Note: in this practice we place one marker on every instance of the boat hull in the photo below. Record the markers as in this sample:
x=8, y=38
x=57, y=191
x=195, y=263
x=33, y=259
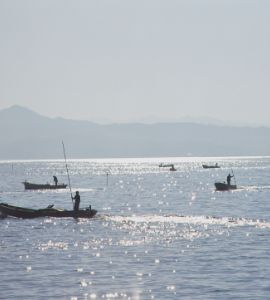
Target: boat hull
x=210, y=167
x=47, y=186
x=222, y=186
x=172, y=168
x=28, y=213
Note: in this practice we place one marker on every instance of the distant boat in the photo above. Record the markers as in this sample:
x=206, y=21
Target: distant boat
x=211, y=166
x=47, y=186
x=29, y=213
x=162, y=165
x=222, y=186
x=172, y=168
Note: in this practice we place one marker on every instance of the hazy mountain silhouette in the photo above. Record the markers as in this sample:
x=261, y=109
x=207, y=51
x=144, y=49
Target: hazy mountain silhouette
x=28, y=135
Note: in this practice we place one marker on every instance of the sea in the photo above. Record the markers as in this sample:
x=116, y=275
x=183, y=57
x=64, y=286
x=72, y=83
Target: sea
x=157, y=234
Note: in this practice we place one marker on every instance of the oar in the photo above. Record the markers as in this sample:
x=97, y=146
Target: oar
x=67, y=171
x=234, y=177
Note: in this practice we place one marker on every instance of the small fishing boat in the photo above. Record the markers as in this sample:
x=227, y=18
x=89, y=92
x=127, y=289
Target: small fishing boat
x=222, y=186
x=211, y=166
x=172, y=168
x=29, y=213
x=47, y=186
x=162, y=165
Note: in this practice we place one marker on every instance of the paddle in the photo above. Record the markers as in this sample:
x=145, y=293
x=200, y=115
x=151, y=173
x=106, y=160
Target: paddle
x=67, y=171
x=234, y=177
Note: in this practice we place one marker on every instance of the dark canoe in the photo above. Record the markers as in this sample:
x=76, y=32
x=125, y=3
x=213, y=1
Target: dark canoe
x=47, y=186
x=29, y=213
x=222, y=186
x=210, y=166
x=172, y=168
x=162, y=165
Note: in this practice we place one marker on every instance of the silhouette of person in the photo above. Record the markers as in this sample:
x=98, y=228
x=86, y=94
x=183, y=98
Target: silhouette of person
x=229, y=179
x=77, y=199
x=55, y=180
x=172, y=168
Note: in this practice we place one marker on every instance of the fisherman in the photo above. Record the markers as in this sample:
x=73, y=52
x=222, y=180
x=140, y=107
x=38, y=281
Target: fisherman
x=172, y=168
x=55, y=180
x=229, y=179
x=77, y=199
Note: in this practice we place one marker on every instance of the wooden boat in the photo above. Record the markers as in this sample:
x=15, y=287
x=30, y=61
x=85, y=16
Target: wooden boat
x=47, y=186
x=211, y=166
x=162, y=165
x=222, y=186
x=172, y=168
x=29, y=213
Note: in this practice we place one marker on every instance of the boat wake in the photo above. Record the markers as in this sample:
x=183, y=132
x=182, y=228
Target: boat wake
x=167, y=229
x=257, y=188
x=135, y=230
x=88, y=189
x=189, y=220
x=52, y=191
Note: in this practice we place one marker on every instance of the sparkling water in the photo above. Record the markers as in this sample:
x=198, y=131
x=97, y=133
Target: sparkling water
x=157, y=234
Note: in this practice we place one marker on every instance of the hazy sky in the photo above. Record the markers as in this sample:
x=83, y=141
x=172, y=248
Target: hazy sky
x=137, y=60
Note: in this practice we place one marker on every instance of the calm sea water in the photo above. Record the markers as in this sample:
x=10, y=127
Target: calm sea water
x=157, y=235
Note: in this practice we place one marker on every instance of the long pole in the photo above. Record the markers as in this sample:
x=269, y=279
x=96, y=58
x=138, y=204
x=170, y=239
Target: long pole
x=234, y=177
x=67, y=171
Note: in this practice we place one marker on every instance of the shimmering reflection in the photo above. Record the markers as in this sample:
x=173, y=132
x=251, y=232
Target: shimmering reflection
x=166, y=229
x=157, y=234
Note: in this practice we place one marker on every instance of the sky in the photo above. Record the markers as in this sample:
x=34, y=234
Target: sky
x=143, y=60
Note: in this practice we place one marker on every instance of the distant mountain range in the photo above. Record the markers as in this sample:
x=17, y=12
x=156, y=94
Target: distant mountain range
x=28, y=135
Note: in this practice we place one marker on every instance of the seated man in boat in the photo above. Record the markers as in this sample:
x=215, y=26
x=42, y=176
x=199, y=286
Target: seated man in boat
x=172, y=168
x=229, y=179
x=55, y=180
x=77, y=199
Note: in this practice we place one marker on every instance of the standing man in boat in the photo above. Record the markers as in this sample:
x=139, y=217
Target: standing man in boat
x=77, y=199
x=55, y=180
x=229, y=179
